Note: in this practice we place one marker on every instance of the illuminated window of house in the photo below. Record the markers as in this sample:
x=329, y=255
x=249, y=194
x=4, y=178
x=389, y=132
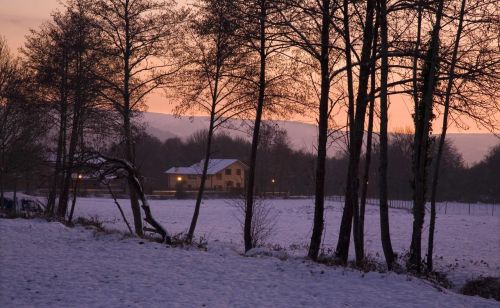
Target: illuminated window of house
x=238, y=171
x=228, y=171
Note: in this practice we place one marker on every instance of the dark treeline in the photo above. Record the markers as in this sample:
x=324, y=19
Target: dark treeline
x=293, y=171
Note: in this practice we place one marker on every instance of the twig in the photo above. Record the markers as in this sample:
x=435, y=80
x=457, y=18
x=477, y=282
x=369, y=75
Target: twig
x=119, y=208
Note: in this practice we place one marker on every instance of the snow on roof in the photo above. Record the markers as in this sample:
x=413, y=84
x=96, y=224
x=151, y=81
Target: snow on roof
x=214, y=166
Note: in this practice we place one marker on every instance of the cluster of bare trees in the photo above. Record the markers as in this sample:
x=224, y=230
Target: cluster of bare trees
x=95, y=62
x=21, y=123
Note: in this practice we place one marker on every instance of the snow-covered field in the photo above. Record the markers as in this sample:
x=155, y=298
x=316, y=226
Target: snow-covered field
x=466, y=246
x=48, y=265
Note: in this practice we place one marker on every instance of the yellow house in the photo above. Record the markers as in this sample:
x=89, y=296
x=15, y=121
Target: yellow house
x=222, y=175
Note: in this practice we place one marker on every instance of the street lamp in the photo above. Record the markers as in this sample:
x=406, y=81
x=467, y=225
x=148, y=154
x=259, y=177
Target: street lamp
x=274, y=182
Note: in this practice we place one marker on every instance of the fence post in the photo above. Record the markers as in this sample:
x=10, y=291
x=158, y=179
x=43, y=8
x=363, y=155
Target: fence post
x=446, y=207
x=469, y=209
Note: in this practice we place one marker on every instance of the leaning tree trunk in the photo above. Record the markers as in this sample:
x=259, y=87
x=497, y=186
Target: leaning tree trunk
x=421, y=146
x=384, y=74
x=247, y=228
x=116, y=165
x=351, y=207
x=435, y=178
x=319, y=201
x=201, y=189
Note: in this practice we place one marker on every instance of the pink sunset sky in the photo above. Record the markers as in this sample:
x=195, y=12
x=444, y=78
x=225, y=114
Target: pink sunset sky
x=17, y=17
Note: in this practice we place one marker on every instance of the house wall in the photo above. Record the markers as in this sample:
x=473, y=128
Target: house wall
x=222, y=181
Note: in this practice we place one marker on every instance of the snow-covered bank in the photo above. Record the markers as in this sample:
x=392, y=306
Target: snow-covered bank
x=48, y=265
x=466, y=246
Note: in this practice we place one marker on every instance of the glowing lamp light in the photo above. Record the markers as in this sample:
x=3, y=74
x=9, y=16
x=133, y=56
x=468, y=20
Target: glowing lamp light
x=273, y=181
x=179, y=179
x=80, y=176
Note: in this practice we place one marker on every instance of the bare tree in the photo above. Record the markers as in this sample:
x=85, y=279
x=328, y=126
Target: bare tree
x=369, y=137
x=108, y=166
x=350, y=216
x=384, y=74
x=437, y=163
x=22, y=121
x=84, y=87
x=271, y=81
x=213, y=81
x=422, y=141
x=139, y=37
x=263, y=220
x=46, y=56
x=309, y=28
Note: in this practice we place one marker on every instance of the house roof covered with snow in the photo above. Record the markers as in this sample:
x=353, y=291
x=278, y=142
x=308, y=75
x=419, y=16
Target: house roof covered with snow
x=214, y=166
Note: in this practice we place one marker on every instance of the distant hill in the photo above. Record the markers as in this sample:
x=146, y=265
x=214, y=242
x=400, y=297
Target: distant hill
x=473, y=147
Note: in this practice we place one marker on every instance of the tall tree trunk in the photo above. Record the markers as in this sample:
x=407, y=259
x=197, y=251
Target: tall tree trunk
x=61, y=141
x=319, y=199
x=435, y=178
x=64, y=194
x=369, y=137
x=64, y=158
x=127, y=126
x=350, y=214
x=57, y=169
x=75, y=135
x=208, y=149
x=247, y=229
x=384, y=74
x=348, y=57
x=421, y=146
x=415, y=60
x=129, y=155
x=201, y=189
x=73, y=203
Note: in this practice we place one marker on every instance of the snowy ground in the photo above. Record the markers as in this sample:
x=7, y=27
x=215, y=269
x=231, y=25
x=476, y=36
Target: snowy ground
x=466, y=246
x=48, y=265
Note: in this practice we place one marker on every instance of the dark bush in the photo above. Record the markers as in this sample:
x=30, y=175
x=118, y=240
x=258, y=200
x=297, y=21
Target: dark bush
x=487, y=287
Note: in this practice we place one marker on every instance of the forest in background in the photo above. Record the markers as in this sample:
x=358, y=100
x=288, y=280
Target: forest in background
x=293, y=170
